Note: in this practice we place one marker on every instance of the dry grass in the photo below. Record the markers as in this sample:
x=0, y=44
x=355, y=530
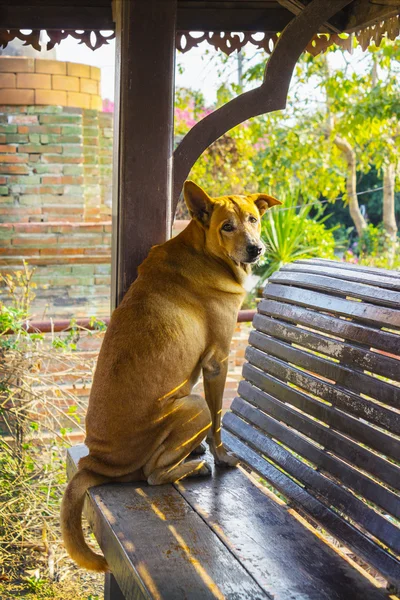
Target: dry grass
x=38, y=411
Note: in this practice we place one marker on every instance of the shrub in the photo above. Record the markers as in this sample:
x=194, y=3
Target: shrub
x=290, y=234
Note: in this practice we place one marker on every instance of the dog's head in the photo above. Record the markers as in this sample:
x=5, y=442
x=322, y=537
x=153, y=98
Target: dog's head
x=232, y=224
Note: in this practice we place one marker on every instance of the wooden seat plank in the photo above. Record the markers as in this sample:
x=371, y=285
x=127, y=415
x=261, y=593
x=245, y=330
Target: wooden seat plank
x=159, y=547
x=353, y=428
x=371, y=279
x=286, y=559
x=333, y=494
x=352, y=356
x=382, y=391
x=332, y=442
x=338, y=287
x=346, y=266
x=336, y=395
x=330, y=520
x=380, y=316
x=334, y=325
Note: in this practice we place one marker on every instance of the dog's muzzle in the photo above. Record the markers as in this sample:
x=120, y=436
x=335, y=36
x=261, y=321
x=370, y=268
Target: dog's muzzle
x=254, y=252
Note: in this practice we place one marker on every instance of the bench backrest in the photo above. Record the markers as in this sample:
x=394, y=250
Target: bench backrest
x=318, y=411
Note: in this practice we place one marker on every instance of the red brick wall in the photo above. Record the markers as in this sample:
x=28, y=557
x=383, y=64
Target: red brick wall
x=50, y=164
x=55, y=205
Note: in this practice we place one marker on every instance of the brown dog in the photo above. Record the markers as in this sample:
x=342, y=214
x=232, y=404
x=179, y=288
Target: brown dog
x=176, y=321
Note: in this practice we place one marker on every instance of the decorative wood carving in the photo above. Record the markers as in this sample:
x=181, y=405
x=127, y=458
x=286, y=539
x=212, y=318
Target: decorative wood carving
x=30, y=39
x=226, y=41
x=92, y=39
x=375, y=33
x=270, y=96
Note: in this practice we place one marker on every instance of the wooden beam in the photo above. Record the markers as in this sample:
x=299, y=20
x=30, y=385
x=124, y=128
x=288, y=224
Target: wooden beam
x=362, y=14
x=72, y=15
x=145, y=58
x=270, y=96
x=296, y=6
x=238, y=16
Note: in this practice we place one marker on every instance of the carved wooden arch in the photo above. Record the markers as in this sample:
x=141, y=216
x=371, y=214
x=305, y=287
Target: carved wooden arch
x=271, y=95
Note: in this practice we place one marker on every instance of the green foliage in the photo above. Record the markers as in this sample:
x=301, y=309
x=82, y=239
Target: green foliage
x=374, y=248
x=290, y=234
x=357, y=100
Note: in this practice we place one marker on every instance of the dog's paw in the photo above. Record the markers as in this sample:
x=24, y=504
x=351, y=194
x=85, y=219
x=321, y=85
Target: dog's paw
x=203, y=471
x=226, y=459
x=201, y=449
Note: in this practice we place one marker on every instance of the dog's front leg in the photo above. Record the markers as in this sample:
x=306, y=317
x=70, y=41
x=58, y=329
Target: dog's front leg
x=214, y=376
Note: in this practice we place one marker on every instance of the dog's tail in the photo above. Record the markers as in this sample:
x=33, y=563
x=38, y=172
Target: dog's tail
x=71, y=521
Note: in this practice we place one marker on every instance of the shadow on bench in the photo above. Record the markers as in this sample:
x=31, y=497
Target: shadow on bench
x=318, y=419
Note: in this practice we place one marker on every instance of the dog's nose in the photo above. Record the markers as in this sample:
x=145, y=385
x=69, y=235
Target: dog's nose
x=253, y=250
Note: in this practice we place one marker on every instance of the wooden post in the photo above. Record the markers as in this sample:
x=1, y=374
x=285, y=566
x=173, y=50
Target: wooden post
x=112, y=590
x=143, y=142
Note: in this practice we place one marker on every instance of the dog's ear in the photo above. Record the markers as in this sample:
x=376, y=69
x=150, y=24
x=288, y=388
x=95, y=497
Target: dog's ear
x=264, y=202
x=199, y=203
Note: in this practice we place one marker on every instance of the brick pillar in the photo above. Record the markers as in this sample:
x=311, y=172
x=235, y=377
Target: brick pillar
x=91, y=165
x=41, y=162
x=106, y=162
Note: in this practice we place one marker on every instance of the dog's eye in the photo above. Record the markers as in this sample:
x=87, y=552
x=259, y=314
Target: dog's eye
x=253, y=220
x=227, y=227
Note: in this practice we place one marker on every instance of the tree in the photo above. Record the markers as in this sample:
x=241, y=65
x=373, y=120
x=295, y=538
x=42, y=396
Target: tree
x=322, y=146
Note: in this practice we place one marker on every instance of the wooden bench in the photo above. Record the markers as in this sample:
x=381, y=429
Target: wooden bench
x=318, y=420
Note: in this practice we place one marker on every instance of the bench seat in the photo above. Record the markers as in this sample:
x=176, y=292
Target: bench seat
x=219, y=537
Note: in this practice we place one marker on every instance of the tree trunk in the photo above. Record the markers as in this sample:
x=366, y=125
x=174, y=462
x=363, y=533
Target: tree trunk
x=389, y=218
x=351, y=183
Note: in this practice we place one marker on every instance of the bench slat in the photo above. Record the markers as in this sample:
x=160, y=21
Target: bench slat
x=159, y=547
x=339, y=397
x=382, y=391
x=362, y=311
x=316, y=484
x=338, y=287
x=335, y=494
x=328, y=439
x=347, y=330
x=361, y=432
x=346, y=354
x=333, y=442
x=380, y=281
x=330, y=520
x=288, y=560
x=345, y=266
x=314, y=415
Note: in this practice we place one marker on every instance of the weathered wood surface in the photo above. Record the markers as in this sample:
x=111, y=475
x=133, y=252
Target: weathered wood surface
x=315, y=482
x=361, y=311
x=193, y=15
x=313, y=404
x=344, y=266
x=158, y=547
x=331, y=324
x=354, y=357
x=345, y=376
x=324, y=282
x=328, y=518
x=360, y=458
x=381, y=281
x=143, y=132
x=219, y=537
